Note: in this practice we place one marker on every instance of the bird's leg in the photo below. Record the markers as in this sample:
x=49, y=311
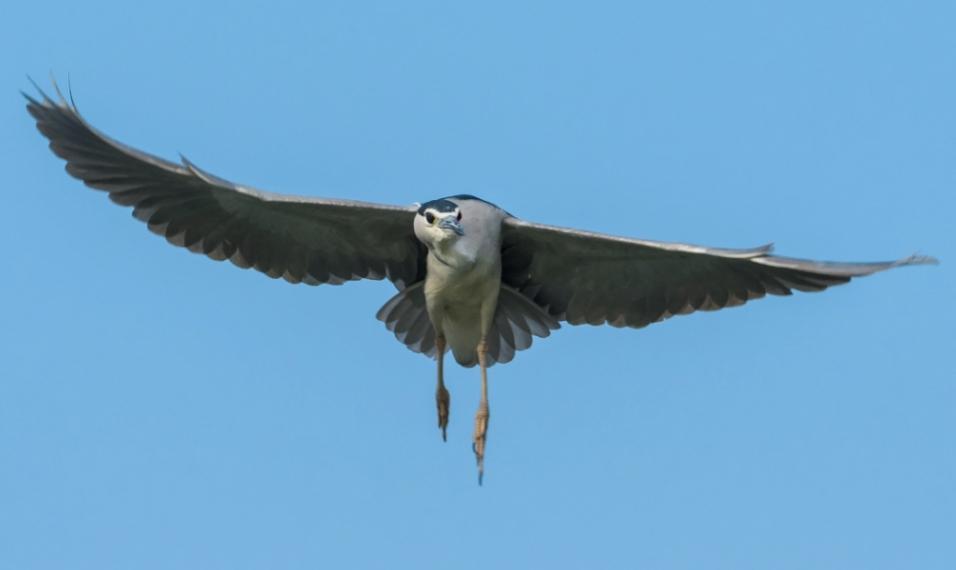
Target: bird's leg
x=442, y=397
x=483, y=413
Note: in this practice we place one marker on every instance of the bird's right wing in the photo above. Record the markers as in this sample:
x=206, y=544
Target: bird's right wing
x=308, y=240
x=587, y=278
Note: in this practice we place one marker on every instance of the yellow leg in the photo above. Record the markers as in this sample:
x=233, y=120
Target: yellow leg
x=483, y=413
x=442, y=397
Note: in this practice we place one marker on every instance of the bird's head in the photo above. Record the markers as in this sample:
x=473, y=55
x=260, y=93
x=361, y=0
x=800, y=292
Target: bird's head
x=438, y=222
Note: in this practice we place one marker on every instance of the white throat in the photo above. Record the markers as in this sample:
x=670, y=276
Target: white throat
x=452, y=253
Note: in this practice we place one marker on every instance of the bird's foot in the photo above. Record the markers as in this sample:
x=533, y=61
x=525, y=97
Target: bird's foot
x=443, y=402
x=478, y=440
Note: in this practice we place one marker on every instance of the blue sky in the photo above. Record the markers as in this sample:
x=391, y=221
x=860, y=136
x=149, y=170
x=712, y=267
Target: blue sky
x=159, y=410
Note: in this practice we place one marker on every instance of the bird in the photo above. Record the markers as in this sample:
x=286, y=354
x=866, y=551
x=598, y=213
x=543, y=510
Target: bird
x=471, y=278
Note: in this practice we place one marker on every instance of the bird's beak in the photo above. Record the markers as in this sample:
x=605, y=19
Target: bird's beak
x=451, y=224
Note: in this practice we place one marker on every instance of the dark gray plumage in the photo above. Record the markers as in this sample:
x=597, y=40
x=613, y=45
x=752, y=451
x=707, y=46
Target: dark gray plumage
x=307, y=240
x=470, y=276
x=588, y=278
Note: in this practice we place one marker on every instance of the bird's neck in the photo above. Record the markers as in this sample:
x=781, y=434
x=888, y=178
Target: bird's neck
x=453, y=254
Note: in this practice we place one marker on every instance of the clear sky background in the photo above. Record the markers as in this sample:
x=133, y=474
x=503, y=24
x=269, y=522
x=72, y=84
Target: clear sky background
x=160, y=410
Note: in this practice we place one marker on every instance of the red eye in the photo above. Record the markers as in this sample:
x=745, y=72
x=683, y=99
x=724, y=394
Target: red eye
x=459, y=215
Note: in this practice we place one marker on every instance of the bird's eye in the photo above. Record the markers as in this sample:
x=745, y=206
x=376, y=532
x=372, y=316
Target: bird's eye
x=430, y=218
x=459, y=215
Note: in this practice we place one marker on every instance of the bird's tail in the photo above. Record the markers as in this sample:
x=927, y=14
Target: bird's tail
x=517, y=321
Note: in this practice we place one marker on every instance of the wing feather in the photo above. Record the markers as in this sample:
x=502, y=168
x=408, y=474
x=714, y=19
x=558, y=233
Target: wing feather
x=587, y=278
x=303, y=240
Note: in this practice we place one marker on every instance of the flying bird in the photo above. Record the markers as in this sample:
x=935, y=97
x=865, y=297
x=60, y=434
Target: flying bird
x=471, y=278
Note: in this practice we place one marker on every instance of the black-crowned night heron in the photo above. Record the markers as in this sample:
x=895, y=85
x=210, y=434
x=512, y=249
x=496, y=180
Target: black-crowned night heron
x=470, y=276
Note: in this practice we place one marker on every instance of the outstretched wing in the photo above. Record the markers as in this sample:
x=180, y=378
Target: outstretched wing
x=583, y=277
x=308, y=240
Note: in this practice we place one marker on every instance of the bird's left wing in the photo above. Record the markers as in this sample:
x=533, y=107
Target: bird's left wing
x=308, y=240
x=588, y=278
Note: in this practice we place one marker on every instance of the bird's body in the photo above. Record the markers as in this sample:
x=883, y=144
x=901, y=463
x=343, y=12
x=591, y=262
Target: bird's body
x=461, y=303
x=463, y=276
x=470, y=277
